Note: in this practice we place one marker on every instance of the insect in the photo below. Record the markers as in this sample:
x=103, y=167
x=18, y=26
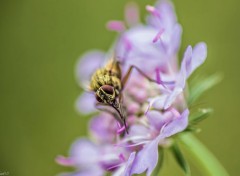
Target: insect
x=108, y=83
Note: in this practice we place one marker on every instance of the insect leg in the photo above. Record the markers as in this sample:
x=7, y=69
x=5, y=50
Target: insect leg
x=103, y=107
x=127, y=76
x=118, y=116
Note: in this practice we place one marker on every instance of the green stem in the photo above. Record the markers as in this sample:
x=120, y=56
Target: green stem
x=206, y=161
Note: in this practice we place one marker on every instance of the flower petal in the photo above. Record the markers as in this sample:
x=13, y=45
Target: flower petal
x=80, y=152
x=193, y=59
x=93, y=171
x=129, y=164
x=199, y=55
x=181, y=78
x=103, y=127
x=172, y=96
x=175, y=39
x=146, y=159
x=177, y=125
x=157, y=119
x=85, y=104
x=125, y=169
x=87, y=64
x=164, y=17
x=140, y=49
x=157, y=102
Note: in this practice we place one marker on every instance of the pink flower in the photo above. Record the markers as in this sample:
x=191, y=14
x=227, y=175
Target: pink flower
x=155, y=110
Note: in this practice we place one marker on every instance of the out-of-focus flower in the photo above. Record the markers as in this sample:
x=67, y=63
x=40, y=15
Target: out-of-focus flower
x=153, y=98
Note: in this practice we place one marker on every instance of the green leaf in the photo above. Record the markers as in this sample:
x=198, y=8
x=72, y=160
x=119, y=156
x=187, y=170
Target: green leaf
x=193, y=129
x=160, y=162
x=199, y=116
x=180, y=159
x=201, y=85
x=207, y=163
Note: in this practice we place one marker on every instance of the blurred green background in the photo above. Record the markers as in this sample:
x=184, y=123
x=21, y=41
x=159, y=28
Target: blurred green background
x=40, y=42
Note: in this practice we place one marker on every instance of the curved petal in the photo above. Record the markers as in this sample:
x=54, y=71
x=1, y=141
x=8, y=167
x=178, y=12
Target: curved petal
x=87, y=64
x=193, y=58
x=185, y=69
x=157, y=119
x=164, y=17
x=199, y=55
x=125, y=169
x=103, y=127
x=80, y=152
x=85, y=103
x=172, y=97
x=157, y=102
x=93, y=171
x=146, y=159
x=135, y=47
x=175, y=39
x=128, y=165
x=177, y=125
x=181, y=78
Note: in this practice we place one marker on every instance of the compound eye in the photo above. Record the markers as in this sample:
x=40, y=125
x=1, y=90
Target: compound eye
x=108, y=89
x=98, y=98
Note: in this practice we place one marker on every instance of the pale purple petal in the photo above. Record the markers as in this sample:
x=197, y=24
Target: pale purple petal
x=158, y=119
x=140, y=49
x=185, y=69
x=119, y=171
x=128, y=165
x=146, y=159
x=103, y=127
x=138, y=134
x=181, y=78
x=164, y=17
x=125, y=169
x=175, y=39
x=199, y=55
x=193, y=58
x=79, y=156
x=138, y=130
x=157, y=102
x=91, y=172
x=172, y=97
x=80, y=152
x=177, y=125
x=87, y=64
x=86, y=103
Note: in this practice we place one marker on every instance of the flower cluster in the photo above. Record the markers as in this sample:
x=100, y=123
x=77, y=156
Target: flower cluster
x=155, y=104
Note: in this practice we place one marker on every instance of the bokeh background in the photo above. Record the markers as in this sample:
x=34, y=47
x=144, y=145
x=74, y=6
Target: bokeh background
x=40, y=42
